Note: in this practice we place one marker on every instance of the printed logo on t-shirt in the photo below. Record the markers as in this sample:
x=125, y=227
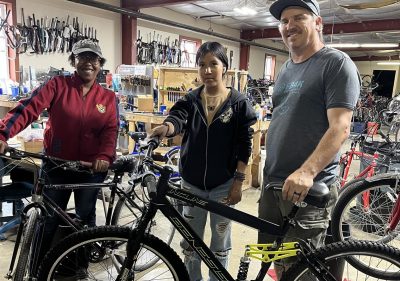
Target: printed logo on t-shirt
x=101, y=108
x=283, y=94
x=227, y=115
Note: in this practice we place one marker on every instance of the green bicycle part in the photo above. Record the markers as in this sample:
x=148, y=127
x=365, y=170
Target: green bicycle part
x=264, y=253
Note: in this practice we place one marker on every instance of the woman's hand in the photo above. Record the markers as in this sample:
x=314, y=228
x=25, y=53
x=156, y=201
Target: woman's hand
x=100, y=166
x=235, y=193
x=3, y=146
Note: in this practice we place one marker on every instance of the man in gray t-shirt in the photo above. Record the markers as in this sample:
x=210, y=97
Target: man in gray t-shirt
x=313, y=98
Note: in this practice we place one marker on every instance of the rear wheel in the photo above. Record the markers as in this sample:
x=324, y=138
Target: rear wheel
x=376, y=261
x=102, y=246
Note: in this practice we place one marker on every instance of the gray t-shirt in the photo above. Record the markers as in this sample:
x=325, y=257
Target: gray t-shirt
x=302, y=94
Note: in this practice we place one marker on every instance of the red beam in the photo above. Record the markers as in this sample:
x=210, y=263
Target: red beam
x=129, y=35
x=351, y=27
x=244, y=57
x=140, y=4
x=375, y=58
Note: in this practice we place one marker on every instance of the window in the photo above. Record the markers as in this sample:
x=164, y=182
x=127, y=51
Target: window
x=269, y=68
x=189, y=47
x=4, y=70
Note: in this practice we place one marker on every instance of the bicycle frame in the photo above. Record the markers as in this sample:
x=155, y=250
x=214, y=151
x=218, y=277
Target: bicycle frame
x=348, y=157
x=160, y=202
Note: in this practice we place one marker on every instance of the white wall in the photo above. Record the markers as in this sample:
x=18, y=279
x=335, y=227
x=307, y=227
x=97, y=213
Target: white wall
x=368, y=67
x=257, y=58
x=108, y=25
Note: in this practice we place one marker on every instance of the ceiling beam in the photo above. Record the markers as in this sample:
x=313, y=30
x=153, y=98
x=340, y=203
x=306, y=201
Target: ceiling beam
x=350, y=27
x=375, y=58
x=140, y=4
x=139, y=15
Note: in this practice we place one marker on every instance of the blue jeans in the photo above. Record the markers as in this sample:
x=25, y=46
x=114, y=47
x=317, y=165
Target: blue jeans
x=221, y=242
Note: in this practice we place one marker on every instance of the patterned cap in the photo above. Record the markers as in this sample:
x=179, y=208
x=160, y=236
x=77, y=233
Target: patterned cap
x=86, y=45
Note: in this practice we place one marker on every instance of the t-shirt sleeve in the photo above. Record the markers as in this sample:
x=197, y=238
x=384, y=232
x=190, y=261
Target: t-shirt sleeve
x=342, y=86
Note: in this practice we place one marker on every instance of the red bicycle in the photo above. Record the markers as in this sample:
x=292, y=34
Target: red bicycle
x=371, y=163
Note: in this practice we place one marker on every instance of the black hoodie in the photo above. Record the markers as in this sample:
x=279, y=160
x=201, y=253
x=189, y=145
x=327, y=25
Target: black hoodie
x=209, y=154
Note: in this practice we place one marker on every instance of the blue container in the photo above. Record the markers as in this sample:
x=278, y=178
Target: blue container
x=14, y=91
x=358, y=127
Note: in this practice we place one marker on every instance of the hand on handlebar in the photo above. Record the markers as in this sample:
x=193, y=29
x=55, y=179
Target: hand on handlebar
x=100, y=165
x=3, y=146
x=162, y=131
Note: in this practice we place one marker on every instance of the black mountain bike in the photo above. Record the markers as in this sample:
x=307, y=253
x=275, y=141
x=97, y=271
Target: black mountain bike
x=104, y=244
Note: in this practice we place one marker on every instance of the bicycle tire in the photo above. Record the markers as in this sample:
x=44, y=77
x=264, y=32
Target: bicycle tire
x=366, y=223
x=339, y=252
x=26, y=246
x=110, y=237
x=126, y=214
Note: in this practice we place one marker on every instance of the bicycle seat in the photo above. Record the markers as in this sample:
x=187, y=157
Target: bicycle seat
x=317, y=196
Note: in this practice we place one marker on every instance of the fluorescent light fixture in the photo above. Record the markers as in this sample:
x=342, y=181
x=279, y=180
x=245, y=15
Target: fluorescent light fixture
x=344, y=45
x=245, y=11
x=380, y=45
x=388, y=63
x=367, y=45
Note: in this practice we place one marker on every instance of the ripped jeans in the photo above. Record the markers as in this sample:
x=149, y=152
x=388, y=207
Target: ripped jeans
x=220, y=230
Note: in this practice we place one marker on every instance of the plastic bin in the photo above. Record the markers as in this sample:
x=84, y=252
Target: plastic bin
x=358, y=127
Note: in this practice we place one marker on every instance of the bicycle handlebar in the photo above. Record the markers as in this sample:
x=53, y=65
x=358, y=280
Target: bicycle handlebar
x=17, y=154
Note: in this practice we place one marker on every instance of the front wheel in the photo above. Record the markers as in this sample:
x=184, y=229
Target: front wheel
x=90, y=255
x=376, y=262
x=25, y=254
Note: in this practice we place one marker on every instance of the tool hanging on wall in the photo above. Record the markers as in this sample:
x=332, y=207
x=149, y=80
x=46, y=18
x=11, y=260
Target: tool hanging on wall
x=44, y=35
x=157, y=51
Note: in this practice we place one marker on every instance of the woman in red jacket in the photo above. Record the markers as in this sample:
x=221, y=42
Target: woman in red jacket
x=82, y=125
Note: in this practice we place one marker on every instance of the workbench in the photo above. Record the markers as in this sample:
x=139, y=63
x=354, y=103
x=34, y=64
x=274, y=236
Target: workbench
x=6, y=105
x=259, y=129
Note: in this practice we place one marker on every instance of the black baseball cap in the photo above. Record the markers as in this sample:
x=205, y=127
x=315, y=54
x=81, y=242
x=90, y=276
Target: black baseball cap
x=278, y=6
x=86, y=45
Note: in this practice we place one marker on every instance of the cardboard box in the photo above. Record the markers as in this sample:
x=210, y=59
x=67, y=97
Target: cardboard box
x=34, y=146
x=247, y=182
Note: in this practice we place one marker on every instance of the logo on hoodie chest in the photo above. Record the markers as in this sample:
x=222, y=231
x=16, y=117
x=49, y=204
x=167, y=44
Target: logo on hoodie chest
x=226, y=116
x=101, y=108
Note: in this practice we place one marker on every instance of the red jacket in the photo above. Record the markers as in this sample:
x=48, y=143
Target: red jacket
x=78, y=128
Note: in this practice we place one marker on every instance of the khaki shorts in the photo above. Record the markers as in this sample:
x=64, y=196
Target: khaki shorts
x=312, y=222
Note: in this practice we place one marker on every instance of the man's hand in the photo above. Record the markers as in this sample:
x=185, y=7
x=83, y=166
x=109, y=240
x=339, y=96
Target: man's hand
x=235, y=193
x=297, y=185
x=100, y=166
x=3, y=146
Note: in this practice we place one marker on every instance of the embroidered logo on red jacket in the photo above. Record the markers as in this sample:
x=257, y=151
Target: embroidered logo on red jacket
x=101, y=108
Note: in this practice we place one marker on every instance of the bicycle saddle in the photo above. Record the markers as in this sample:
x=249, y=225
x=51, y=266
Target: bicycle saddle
x=317, y=196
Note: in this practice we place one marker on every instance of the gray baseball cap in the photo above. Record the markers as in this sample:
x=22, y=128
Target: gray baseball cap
x=278, y=6
x=86, y=45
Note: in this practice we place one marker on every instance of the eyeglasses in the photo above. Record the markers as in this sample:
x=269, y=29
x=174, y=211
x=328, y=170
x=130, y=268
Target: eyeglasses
x=90, y=58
